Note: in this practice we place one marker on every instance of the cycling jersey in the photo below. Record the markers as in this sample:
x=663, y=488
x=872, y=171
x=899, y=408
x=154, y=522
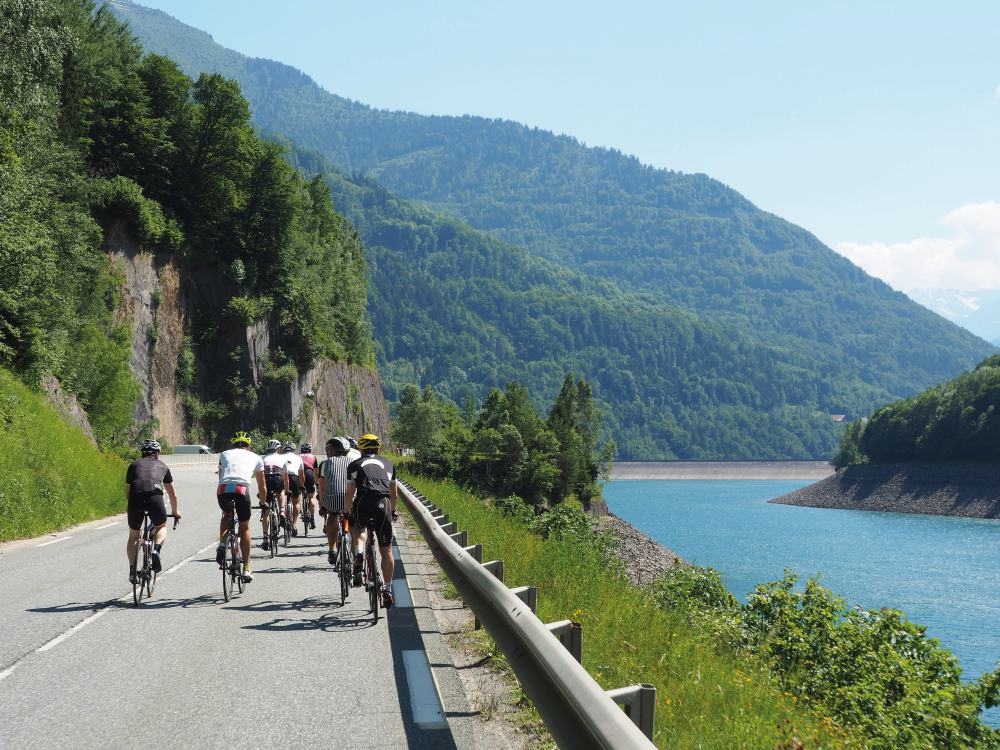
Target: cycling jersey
x=145, y=479
x=239, y=465
x=334, y=471
x=372, y=475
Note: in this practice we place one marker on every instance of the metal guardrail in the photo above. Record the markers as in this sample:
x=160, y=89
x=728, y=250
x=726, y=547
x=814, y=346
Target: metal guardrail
x=188, y=459
x=575, y=709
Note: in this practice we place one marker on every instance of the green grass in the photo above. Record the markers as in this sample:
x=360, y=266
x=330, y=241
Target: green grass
x=705, y=698
x=51, y=475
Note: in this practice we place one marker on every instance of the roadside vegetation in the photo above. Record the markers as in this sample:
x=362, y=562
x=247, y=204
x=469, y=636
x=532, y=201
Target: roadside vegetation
x=51, y=475
x=794, y=667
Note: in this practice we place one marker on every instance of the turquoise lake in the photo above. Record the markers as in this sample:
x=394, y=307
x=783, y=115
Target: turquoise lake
x=942, y=572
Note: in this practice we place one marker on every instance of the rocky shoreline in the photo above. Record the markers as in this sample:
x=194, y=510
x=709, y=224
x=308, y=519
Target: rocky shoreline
x=643, y=558
x=969, y=490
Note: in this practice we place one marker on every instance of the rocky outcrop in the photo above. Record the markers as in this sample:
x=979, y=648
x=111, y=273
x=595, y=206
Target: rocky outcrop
x=67, y=405
x=642, y=557
x=332, y=398
x=971, y=490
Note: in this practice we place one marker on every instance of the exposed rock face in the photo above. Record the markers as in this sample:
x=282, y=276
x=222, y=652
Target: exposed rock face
x=936, y=489
x=66, y=404
x=332, y=398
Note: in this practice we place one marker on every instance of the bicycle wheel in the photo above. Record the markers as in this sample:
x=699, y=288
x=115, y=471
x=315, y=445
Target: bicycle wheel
x=305, y=518
x=227, y=571
x=345, y=568
x=150, y=573
x=238, y=566
x=273, y=533
x=374, y=590
x=137, y=582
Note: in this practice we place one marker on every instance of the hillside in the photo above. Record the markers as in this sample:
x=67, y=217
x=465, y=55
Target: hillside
x=164, y=265
x=845, y=342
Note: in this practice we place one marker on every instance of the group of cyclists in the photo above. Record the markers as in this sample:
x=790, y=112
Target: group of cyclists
x=355, y=485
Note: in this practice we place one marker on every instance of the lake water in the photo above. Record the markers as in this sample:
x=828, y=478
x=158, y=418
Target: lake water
x=942, y=572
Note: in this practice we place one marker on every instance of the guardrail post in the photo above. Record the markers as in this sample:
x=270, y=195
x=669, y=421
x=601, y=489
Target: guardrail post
x=639, y=702
x=528, y=595
x=476, y=550
x=461, y=538
x=441, y=518
x=496, y=568
x=449, y=528
x=570, y=635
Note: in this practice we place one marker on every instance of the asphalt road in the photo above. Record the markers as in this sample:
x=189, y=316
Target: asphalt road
x=81, y=666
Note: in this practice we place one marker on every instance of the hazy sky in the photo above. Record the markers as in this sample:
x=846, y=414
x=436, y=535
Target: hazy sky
x=873, y=125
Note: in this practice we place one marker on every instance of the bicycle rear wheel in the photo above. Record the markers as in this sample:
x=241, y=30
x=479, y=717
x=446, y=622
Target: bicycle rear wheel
x=238, y=567
x=137, y=579
x=286, y=527
x=374, y=590
x=273, y=533
x=346, y=566
x=227, y=571
x=150, y=573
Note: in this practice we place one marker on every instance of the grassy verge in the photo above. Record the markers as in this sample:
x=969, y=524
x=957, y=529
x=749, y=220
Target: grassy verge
x=705, y=698
x=51, y=476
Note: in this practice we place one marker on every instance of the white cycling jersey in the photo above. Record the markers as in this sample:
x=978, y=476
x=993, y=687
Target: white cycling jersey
x=239, y=465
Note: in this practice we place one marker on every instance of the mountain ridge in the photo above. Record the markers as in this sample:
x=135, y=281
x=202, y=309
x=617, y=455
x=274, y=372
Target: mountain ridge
x=685, y=241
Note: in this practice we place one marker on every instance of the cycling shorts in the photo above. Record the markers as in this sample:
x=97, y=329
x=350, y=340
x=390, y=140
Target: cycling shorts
x=141, y=502
x=275, y=482
x=233, y=501
x=293, y=486
x=377, y=509
x=310, y=481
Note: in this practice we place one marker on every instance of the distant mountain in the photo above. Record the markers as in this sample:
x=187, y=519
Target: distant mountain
x=977, y=311
x=829, y=339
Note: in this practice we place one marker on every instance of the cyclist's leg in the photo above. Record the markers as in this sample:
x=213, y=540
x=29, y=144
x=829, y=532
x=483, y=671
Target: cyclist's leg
x=243, y=511
x=385, y=551
x=136, y=513
x=157, y=517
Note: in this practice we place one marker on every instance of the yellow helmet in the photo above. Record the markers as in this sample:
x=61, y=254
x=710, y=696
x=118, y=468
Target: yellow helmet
x=369, y=442
x=242, y=438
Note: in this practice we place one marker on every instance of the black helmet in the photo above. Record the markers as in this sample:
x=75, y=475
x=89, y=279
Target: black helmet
x=340, y=445
x=149, y=447
x=306, y=448
x=288, y=446
x=272, y=445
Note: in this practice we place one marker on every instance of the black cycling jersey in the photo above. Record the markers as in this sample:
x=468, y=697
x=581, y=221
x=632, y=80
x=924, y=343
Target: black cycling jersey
x=372, y=475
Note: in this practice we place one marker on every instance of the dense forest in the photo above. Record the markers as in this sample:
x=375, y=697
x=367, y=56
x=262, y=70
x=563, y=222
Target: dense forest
x=93, y=133
x=955, y=421
x=659, y=248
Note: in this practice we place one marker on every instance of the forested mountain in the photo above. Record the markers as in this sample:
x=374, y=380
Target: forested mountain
x=828, y=338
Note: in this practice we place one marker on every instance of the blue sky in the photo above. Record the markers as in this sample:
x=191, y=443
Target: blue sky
x=872, y=125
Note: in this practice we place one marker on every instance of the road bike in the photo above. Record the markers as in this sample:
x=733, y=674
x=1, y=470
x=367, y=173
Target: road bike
x=232, y=564
x=306, y=515
x=144, y=580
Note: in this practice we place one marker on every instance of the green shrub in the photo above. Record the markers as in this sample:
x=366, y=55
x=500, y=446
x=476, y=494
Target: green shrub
x=57, y=478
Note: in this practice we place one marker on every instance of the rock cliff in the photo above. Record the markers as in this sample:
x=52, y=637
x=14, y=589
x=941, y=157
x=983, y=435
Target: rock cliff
x=331, y=398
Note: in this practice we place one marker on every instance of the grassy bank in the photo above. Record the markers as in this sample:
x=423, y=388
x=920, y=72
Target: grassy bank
x=51, y=476
x=705, y=698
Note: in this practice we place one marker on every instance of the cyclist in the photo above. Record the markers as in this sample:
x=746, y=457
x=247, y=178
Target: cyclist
x=294, y=467
x=145, y=482
x=276, y=477
x=239, y=467
x=332, y=488
x=353, y=452
x=309, y=462
x=371, y=495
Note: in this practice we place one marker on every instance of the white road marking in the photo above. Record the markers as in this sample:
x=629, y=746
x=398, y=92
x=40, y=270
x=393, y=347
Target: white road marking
x=53, y=541
x=8, y=672
x=80, y=625
x=425, y=700
x=108, y=525
x=189, y=558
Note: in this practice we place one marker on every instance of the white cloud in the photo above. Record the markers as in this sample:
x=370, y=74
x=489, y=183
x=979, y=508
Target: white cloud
x=968, y=259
